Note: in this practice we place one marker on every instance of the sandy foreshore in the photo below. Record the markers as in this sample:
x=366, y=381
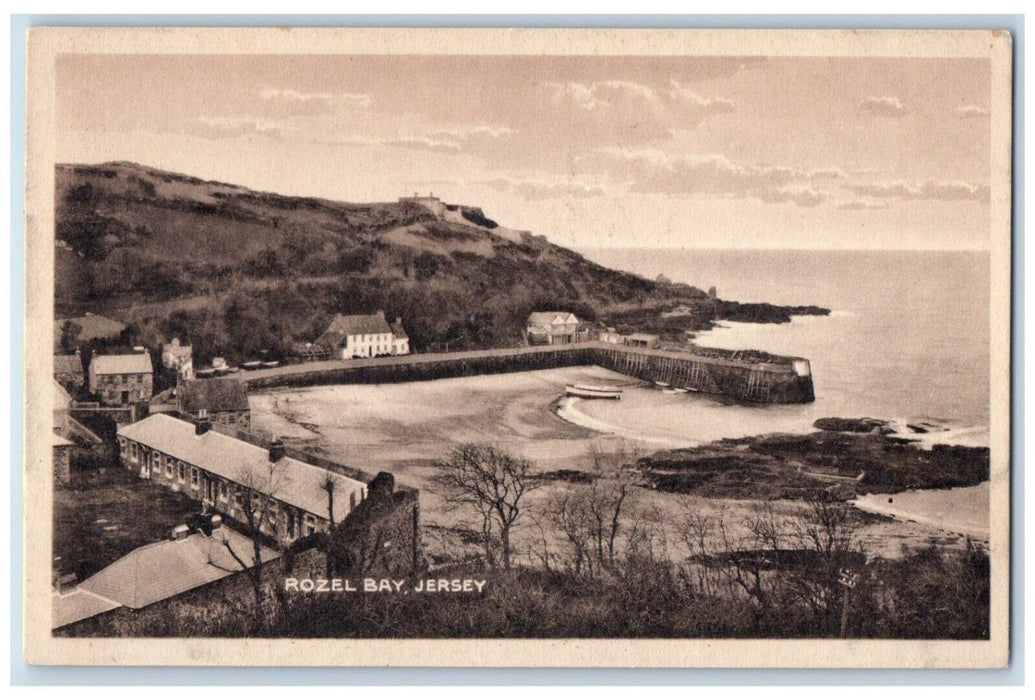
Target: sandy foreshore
x=407, y=428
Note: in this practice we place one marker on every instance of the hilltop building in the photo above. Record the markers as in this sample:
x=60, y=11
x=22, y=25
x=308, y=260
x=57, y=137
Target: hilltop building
x=120, y=380
x=220, y=400
x=430, y=202
x=554, y=328
x=367, y=335
x=68, y=371
x=180, y=358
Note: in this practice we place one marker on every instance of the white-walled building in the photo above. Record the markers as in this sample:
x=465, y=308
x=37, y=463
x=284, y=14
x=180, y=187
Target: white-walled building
x=366, y=335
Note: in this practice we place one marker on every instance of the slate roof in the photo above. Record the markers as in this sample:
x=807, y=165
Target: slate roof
x=62, y=399
x=399, y=332
x=366, y=324
x=155, y=572
x=68, y=364
x=295, y=482
x=94, y=327
x=77, y=605
x=136, y=363
x=548, y=318
x=214, y=395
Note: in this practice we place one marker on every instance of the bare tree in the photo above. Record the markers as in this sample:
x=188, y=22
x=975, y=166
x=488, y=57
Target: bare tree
x=255, y=498
x=330, y=485
x=493, y=484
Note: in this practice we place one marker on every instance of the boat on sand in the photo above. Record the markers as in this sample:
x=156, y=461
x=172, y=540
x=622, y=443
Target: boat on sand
x=593, y=391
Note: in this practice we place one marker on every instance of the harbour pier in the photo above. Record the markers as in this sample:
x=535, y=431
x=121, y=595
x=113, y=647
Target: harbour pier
x=777, y=380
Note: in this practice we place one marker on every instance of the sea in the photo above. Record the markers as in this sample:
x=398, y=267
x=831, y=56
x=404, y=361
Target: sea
x=907, y=340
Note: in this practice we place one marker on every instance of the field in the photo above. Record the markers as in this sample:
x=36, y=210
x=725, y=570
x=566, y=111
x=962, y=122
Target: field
x=105, y=514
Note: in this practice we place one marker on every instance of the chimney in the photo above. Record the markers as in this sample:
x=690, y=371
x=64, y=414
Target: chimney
x=398, y=320
x=179, y=532
x=277, y=450
x=202, y=426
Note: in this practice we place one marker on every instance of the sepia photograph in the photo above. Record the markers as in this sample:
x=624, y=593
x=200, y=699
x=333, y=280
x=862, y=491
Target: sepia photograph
x=518, y=347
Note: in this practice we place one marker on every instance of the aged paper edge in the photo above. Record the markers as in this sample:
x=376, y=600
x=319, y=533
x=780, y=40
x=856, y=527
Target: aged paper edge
x=41, y=648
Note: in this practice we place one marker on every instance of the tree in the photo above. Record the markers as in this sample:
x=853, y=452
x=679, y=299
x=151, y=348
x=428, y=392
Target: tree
x=255, y=498
x=590, y=516
x=493, y=484
x=70, y=332
x=330, y=485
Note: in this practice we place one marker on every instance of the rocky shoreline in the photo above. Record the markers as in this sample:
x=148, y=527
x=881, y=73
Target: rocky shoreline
x=843, y=459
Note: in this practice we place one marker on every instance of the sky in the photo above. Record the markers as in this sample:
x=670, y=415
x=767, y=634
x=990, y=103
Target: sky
x=595, y=151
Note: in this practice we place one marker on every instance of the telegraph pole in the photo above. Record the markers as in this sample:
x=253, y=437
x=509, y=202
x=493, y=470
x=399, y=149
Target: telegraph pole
x=847, y=579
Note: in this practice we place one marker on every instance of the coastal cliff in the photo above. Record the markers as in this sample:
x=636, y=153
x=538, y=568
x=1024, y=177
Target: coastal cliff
x=238, y=272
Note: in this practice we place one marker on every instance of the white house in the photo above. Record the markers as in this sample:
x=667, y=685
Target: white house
x=367, y=335
x=554, y=328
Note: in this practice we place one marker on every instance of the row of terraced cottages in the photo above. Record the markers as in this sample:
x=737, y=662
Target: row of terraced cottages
x=219, y=470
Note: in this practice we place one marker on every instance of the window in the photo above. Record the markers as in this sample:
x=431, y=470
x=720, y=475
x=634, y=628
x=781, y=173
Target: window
x=133, y=454
x=224, y=491
x=194, y=477
x=181, y=472
x=122, y=447
x=169, y=467
x=310, y=524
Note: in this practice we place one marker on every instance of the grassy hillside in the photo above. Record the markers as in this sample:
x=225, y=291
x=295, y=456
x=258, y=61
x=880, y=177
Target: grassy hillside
x=237, y=272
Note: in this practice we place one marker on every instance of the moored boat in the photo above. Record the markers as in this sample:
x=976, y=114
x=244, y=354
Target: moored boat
x=273, y=363
x=593, y=391
x=253, y=364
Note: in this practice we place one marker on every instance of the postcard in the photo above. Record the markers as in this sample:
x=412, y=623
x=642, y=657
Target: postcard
x=518, y=347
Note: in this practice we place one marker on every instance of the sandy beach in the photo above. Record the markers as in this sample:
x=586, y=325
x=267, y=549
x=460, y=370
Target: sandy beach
x=406, y=428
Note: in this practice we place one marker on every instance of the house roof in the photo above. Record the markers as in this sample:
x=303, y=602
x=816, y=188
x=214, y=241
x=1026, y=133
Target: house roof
x=77, y=605
x=62, y=399
x=176, y=350
x=94, y=327
x=399, y=332
x=58, y=441
x=158, y=571
x=293, y=481
x=365, y=324
x=136, y=363
x=548, y=318
x=219, y=394
x=68, y=364
x=642, y=336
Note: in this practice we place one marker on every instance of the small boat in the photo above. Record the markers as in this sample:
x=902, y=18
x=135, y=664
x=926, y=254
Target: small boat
x=254, y=364
x=661, y=385
x=681, y=391
x=593, y=391
x=670, y=391
x=206, y=372
x=233, y=370
x=272, y=363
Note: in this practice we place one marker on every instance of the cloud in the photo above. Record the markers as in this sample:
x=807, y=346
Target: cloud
x=452, y=140
x=654, y=171
x=534, y=190
x=232, y=127
x=294, y=95
x=619, y=111
x=421, y=143
x=884, y=107
x=930, y=190
x=706, y=105
x=801, y=195
x=862, y=204
x=971, y=112
x=278, y=101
